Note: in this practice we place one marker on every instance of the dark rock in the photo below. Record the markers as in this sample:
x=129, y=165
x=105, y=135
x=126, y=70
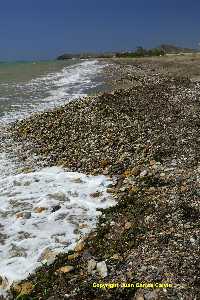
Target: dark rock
x=55, y=208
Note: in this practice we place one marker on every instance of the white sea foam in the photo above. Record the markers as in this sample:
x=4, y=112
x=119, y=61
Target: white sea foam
x=52, y=90
x=65, y=200
x=41, y=212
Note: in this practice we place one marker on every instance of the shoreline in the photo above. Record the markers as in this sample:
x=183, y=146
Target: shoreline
x=144, y=136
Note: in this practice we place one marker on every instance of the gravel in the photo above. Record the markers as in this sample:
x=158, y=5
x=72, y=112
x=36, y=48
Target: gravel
x=146, y=137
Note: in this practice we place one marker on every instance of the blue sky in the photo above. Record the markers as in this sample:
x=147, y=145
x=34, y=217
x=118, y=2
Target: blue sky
x=44, y=29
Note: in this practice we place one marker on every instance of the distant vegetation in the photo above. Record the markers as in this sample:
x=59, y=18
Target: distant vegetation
x=86, y=55
x=139, y=52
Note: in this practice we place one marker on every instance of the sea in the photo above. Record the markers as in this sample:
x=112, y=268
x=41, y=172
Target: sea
x=47, y=210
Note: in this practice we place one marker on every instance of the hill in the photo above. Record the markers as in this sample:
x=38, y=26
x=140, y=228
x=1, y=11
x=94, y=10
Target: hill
x=174, y=49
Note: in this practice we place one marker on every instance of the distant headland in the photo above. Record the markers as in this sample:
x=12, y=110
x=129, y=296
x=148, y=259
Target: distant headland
x=139, y=52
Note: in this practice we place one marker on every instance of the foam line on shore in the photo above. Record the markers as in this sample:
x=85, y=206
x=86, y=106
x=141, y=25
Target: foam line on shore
x=41, y=213
x=51, y=90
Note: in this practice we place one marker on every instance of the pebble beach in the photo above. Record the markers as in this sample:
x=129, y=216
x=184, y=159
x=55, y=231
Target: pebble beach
x=140, y=139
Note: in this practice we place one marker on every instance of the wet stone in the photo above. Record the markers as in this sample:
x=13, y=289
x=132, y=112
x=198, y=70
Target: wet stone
x=96, y=194
x=58, y=196
x=55, y=208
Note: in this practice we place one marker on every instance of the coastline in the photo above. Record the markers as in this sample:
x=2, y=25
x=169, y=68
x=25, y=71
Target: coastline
x=144, y=135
